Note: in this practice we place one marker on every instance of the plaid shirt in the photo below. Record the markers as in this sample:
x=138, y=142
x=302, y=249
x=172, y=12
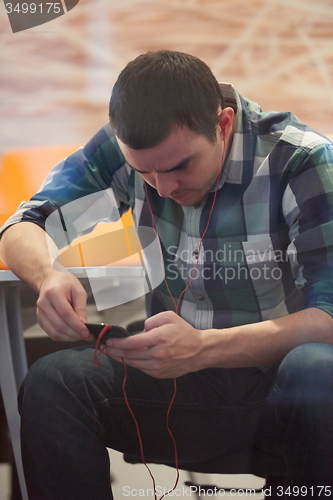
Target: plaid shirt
x=268, y=250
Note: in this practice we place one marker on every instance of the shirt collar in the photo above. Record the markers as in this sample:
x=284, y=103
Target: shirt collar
x=233, y=167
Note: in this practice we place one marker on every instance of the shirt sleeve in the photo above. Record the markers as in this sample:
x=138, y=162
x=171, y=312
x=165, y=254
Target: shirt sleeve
x=308, y=211
x=86, y=182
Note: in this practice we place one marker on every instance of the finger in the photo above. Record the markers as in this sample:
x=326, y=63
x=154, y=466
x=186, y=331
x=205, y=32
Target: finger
x=65, y=311
x=79, y=304
x=160, y=319
x=143, y=354
x=54, y=325
x=55, y=330
x=134, y=342
x=151, y=366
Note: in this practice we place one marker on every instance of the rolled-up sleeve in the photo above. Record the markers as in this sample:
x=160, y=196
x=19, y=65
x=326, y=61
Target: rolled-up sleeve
x=97, y=167
x=308, y=211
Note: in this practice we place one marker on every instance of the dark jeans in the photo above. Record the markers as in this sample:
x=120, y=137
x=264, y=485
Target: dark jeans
x=71, y=411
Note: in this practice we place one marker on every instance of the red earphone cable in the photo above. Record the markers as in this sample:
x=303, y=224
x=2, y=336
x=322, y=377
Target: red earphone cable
x=137, y=429
x=97, y=363
x=98, y=352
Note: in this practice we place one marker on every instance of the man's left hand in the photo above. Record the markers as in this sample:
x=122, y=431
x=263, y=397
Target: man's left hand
x=168, y=348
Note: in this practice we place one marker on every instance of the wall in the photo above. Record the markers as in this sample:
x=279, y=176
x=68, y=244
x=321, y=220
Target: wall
x=57, y=78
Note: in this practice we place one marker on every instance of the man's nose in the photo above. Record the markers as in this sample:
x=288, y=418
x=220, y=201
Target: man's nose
x=165, y=185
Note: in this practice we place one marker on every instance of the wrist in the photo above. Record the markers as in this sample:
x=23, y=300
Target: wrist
x=233, y=347
x=215, y=348
x=43, y=275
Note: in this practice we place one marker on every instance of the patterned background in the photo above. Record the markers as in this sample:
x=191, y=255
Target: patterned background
x=56, y=79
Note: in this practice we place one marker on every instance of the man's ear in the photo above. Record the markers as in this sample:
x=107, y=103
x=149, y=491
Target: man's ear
x=225, y=120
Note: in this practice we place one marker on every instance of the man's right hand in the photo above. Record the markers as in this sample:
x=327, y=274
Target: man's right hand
x=61, y=308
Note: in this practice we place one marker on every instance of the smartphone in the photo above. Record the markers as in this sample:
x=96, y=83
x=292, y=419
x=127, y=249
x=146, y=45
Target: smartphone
x=114, y=332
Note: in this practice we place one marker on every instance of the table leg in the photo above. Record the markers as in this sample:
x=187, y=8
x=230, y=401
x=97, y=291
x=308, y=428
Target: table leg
x=13, y=366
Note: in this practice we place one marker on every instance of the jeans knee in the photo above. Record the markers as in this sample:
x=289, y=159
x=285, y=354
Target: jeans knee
x=308, y=370
x=50, y=374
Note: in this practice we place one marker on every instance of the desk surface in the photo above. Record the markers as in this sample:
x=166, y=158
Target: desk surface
x=8, y=276
x=85, y=272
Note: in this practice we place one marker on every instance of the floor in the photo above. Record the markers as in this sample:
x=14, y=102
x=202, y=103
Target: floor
x=56, y=78
x=134, y=481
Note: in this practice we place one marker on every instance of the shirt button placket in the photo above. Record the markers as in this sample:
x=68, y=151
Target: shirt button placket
x=195, y=253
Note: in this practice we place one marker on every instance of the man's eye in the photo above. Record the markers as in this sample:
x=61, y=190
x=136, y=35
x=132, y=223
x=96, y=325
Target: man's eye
x=183, y=167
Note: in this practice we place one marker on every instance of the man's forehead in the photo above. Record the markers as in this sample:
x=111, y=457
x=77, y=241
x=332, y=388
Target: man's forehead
x=152, y=168
x=168, y=156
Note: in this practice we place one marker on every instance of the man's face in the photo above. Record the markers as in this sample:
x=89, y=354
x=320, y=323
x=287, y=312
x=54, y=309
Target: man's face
x=183, y=167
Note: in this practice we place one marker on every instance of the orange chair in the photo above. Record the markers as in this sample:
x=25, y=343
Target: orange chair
x=23, y=172
x=109, y=244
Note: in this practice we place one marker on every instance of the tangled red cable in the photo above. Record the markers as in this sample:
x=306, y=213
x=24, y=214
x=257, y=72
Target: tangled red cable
x=97, y=363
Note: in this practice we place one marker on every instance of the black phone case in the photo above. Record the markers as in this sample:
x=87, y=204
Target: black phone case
x=114, y=332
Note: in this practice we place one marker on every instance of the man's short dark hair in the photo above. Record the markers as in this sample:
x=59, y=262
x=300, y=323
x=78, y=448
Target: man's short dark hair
x=159, y=91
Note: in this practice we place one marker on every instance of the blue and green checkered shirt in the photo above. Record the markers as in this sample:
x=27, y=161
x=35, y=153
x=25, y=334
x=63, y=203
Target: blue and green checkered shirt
x=268, y=250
